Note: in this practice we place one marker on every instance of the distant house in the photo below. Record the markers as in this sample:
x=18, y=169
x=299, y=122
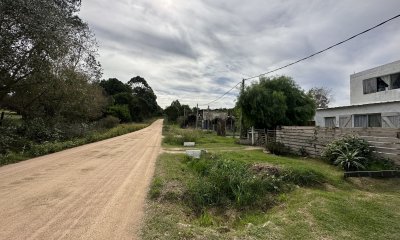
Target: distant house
x=374, y=101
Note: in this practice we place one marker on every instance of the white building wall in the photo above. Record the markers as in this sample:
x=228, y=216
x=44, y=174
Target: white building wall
x=356, y=85
x=386, y=109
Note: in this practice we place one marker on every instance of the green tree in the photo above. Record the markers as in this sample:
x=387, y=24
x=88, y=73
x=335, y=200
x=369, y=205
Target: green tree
x=137, y=95
x=48, y=65
x=114, y=86
x=40, y=37
x=275, y=101
x=173, y=111
x=147, y=100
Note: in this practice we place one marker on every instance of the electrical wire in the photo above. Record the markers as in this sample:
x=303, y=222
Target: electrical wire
x=221, y=95
x=310, y=56
x=326, y=49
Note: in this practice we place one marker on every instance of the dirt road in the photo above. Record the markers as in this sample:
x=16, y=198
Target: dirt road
x=95, y=191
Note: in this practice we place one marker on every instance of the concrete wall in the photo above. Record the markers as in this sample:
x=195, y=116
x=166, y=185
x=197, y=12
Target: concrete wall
x=356, y=85
x=386, y=109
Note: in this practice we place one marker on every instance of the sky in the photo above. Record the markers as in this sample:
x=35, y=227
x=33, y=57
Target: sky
x=196, y=50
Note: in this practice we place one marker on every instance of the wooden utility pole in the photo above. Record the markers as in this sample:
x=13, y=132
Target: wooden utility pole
x=241, y=113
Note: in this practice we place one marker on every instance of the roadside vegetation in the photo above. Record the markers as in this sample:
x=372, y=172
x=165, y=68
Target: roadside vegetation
x=253, y=195
x=174, y=137
x=17, y=145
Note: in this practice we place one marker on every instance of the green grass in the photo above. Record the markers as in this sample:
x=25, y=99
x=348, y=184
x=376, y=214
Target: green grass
x=338, y=208
x=175, y=137
x=51, y=147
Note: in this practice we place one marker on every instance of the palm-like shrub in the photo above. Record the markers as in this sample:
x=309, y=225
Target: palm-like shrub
x=349, y=159
x=348, y=149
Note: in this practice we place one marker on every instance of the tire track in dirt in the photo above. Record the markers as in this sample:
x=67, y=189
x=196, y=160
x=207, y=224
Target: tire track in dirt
x=95, y=191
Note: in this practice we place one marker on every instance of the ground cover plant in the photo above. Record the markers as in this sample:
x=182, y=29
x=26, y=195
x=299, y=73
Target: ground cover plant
x=243, y=194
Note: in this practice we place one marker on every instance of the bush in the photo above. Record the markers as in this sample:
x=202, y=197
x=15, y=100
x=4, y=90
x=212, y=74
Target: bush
x=351, y=152
x=121, y=112
x=223, y=182
x=108, y=122
x=40, y=131
x=10, y=140
x=278, y=148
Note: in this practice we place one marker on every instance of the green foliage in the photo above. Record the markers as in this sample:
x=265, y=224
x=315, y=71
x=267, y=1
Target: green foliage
x=108, y=122
x=174, y=111
x=39, y=131
x=278, y=148
x=350, y=152
x=121, y=112
x=48, y=65
x=349, y=159
x=31, y=149
x=276, y=101
x=224, y=182
x=113, y=86
x=137, y=95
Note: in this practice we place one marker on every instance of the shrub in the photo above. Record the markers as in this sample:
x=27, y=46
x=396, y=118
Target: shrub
x=121, y=112
x=349, y=159
x=223, y=182
x=349, y=149
x=278, y=148
x=40, y=131
x=108, y=122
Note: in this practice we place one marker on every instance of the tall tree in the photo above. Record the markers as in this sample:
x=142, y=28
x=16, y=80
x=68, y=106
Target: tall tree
x=322, y=96
x=40, y=36
x=275, y=101
x=147, y=100
x=173, y=111
x=45, y=48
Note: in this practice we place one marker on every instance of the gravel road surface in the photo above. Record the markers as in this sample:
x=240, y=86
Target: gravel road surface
x=96, y=191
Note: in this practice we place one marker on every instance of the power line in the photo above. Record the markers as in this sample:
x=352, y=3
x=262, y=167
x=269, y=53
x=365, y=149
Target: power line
x=221, y=95
x=326, y=49
x=310, y=56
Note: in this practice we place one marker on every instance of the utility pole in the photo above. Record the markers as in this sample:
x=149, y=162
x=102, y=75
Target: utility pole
x=241, y=113
x=197, y=114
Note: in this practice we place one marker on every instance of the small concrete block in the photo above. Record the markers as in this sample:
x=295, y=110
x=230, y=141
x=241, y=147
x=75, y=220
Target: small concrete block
x=189, y=144
x=193, y=153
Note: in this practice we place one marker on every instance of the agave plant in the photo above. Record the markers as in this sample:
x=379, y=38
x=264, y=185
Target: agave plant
x=349, y=159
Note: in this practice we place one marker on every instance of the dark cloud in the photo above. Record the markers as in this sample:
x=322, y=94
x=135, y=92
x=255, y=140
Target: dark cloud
x=196, y=50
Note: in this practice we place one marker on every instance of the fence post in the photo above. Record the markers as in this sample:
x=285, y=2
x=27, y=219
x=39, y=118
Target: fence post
x=252, y=135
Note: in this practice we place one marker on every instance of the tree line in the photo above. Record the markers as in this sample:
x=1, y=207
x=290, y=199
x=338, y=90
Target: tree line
x=50, y=77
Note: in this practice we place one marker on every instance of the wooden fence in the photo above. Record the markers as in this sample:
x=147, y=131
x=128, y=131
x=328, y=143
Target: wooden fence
x=386, y=141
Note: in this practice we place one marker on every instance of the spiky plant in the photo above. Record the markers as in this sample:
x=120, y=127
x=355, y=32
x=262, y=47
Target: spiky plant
x=349, y=159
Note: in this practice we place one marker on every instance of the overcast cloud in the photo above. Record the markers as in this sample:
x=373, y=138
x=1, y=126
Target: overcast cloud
x=196, y=50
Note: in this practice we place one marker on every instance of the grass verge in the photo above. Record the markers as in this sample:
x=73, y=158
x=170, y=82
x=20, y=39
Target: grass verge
x=318, y=204
x=51, y=147
x=175, y=137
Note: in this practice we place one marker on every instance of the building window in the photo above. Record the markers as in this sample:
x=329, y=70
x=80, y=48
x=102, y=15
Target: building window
x=369, y=85
x=330, y=122
x=382, y=83
x=395, y=81
x=368, y=120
